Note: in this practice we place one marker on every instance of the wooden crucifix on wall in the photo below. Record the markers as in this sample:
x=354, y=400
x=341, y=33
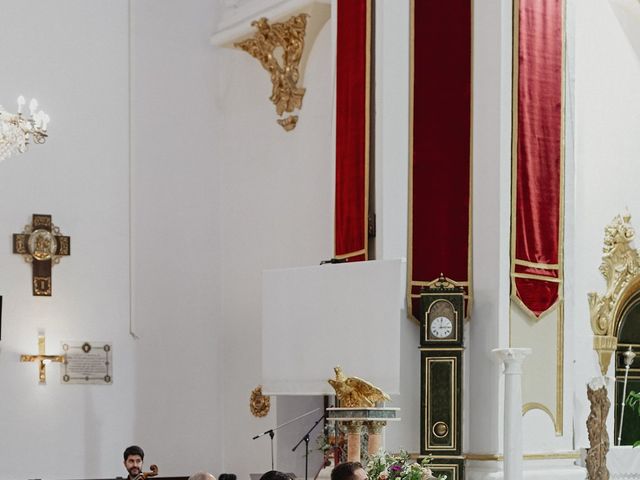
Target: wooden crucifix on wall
x=42, y=245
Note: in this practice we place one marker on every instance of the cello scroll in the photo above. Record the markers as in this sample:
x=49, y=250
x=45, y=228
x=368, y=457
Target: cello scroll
x=145, y=475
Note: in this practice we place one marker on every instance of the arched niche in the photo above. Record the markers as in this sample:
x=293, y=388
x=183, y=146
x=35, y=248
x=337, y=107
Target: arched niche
x=615, y=317
x=628, y=337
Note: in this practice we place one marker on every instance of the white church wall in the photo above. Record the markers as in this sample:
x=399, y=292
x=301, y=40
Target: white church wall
x=607, y=105
x=392, y=170
x=488, y=327
x=277, y=211
x=72, y=56
x=176, y=238
x=288, y=408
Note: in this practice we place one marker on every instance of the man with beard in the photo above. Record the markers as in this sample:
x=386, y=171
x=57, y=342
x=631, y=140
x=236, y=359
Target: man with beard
x=133, y=457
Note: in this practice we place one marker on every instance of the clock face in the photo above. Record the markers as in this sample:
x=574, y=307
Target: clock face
x=441, y=327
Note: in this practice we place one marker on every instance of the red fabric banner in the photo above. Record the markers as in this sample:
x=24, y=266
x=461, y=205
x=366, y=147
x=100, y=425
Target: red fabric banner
x=439, y=216
x=352, y=128
x=536, y=263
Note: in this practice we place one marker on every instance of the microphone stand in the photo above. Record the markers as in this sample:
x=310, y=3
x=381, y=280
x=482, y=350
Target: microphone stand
x=305, y=439
x=271, y=432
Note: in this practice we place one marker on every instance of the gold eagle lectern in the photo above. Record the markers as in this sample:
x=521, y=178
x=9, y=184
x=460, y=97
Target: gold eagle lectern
x=353, y=392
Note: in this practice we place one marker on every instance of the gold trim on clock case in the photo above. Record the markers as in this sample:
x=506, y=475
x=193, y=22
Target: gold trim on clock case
x=441, y=349
x=431, y=283
x=437, y=308
x=451, y=467
x=452, y=364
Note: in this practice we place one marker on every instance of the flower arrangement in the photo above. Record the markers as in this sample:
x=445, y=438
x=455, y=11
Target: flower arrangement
x=386, y=466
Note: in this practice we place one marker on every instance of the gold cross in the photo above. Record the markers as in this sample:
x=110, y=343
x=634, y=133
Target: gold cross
x=42, y=358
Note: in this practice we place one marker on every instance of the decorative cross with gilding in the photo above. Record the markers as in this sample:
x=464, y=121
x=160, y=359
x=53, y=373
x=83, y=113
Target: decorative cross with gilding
x=42, y=358
x=42, y=245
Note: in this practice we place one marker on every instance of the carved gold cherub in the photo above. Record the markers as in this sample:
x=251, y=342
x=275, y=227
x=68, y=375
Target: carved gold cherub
x=353, y=392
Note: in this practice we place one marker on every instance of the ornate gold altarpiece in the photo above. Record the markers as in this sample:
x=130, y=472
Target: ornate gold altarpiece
x=621, y=269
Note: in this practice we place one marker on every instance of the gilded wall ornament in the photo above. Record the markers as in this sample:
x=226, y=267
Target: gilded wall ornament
x=42, y=245
x=259, y=404
x=278, y=47
x=42, y=359
x=353, y=392
x=621, y=269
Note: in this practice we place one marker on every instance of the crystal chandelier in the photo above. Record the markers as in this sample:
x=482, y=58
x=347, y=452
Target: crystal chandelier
x=16, y=131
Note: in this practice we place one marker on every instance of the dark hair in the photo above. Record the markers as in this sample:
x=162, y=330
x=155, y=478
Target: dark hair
x=275, y=475
x=133, y=450
x=227, y=476
x=345, y=471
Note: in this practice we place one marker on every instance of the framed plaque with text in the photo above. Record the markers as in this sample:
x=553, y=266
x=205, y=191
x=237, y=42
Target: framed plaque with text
x=87, y=363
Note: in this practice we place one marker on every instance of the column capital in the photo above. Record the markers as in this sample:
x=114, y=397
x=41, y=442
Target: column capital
x=354, y=427
x=512, y=359
x=375, y=427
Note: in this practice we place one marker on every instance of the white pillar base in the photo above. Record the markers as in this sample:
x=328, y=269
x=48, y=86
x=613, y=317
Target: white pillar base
x=533, y=470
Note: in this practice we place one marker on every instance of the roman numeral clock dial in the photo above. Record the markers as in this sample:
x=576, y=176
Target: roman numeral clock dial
x=441, y=327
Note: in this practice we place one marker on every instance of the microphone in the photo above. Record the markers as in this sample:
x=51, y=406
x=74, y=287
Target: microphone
x=334, y=260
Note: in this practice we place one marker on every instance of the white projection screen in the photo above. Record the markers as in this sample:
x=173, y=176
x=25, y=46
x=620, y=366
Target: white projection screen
x=314, y=318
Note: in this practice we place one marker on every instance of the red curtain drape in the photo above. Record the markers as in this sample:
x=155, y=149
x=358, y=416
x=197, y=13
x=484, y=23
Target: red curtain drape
x=439, y=217
x=353, y=87
x=536, y=263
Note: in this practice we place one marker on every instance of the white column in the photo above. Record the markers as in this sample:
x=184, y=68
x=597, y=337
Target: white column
x=489, y=324
x=512, y=359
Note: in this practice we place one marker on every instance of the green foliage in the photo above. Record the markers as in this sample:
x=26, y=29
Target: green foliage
x=633, y=401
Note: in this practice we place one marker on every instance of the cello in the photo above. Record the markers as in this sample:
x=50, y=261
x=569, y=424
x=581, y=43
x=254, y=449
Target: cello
x=145, y=475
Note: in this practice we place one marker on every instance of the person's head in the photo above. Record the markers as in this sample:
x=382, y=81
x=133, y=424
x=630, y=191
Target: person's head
x=202, y=476
x=133, y=457
x=348, y=471
x=275, y=475
x=227, y=476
